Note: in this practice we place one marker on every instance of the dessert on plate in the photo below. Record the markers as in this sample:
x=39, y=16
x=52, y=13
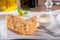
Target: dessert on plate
x=21, y=26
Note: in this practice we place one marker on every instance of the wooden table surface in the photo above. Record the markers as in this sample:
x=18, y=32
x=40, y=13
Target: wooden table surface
x=43, y=8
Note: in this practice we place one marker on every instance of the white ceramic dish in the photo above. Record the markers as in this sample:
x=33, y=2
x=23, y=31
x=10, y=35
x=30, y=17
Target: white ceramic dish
x=45, y=19
x=40, y=34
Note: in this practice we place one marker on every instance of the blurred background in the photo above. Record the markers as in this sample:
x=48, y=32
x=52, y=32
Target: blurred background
x=39, y=5
x=29, y=5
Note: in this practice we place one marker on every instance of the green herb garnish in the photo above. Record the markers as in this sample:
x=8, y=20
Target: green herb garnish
x=21, y=13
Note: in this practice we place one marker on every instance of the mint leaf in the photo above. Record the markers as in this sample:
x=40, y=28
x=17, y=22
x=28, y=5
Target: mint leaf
x=19, y=12
x=25, y=13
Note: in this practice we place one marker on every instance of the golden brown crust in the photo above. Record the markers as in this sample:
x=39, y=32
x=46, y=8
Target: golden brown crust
x=20, y=26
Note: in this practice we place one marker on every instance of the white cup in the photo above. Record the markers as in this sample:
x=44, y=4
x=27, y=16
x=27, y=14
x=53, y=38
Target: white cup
x=45, y=19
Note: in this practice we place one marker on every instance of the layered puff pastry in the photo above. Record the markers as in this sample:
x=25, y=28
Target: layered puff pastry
x=21, y=26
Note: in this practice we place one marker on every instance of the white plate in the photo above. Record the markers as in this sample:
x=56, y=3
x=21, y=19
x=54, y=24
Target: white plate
x=7, y=34
x=40, y=34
